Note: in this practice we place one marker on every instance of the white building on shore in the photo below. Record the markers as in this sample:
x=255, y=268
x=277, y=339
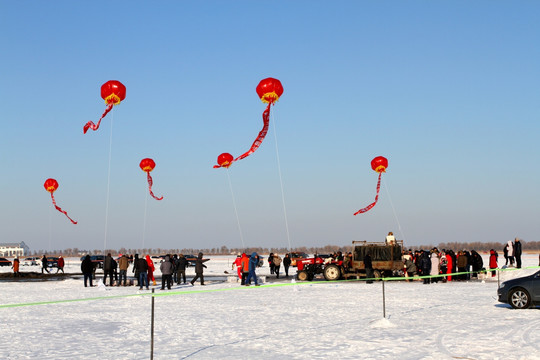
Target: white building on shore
x=14, y=249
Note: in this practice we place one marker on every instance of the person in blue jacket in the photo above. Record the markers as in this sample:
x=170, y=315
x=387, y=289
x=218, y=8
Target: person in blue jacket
x=253, y=261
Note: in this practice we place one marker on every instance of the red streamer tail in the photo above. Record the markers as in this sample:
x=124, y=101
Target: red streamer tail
x=262, y=134
x=62, y=211
x=370, y=206
x=91, y=125
x=150, y=183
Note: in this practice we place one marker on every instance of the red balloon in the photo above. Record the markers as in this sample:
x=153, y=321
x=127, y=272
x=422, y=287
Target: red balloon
x=269, y=90
x=147, y=164
x=113, y=91
x=379, y=164
x=51, y=185
x=224, y=160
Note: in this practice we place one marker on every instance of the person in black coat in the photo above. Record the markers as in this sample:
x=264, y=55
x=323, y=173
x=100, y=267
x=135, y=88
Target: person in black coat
x=136, y=269
x=287, y=264
x=477, y=263
x=108, y=269
x=425, y=265
x=199, y=269
x=181, y=265
x=369, y=268
x=87, y=268
x=143, y=273
x=517, y=252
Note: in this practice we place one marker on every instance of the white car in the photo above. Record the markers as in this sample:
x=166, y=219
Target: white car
x=30, y=261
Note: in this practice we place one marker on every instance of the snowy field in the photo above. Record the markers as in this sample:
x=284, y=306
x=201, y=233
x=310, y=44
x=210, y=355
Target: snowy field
x=280, y=320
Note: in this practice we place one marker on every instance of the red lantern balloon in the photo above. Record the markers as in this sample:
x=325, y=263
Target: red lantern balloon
x=269, y=91
x=147, y=165
x=378, y=164
x=224, y=160
x=51, y=185
x=113, y=92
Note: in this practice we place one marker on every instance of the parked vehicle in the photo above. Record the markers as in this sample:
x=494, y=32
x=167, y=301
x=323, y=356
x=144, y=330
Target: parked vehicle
x=386, y=261
x=521, y=293
x=96, y=259
x=30, y=261
x=4, y=262
x=52, y=261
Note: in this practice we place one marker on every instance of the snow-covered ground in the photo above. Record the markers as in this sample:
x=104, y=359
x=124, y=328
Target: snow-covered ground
x=280, y=320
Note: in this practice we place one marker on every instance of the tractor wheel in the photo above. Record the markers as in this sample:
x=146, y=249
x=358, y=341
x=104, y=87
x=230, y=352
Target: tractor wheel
x=332, y=272
x=302, y=275
x=377, y=274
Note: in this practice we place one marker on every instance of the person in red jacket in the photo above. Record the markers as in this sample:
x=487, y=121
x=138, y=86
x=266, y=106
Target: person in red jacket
x=238, y=263
x=493, y=261
x=151, y=269
x=60, y=264
x=450, y=264
x=245, y=268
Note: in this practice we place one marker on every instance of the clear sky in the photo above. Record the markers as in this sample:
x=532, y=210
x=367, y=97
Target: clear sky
x=448, y=91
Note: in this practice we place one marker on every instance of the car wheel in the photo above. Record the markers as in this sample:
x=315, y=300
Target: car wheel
x=332, y=272
x=519, y=298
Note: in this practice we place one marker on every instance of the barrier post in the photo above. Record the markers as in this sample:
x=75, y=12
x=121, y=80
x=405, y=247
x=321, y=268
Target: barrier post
x=152, y=329
x=383, y=301
x=498, y=278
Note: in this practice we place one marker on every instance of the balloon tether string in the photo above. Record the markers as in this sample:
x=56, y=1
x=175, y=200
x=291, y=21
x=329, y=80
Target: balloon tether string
x=108, y=186
x=281, y=182
x=144, y=220
x=236, y=211
x=394, y=210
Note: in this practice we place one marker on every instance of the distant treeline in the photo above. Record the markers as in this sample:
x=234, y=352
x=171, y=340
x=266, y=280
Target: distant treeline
x=530, y=246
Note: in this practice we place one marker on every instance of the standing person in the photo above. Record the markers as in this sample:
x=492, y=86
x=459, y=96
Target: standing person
x=462, y=265
x=245, y=268
x=510, y=246
x=15, y=267
x=108, y=269
x=60, y=264
x=143, y=273
x=477, y=263
x=425, y=264
x=505, y=253
x=443, y=264
x=87, y=268
x=238, y=263
x=493, y=261
x=151, y=269
x=517, y=252
x=174, y=261
x=369, y=268
x=167, y=269
x=44, y=264
x=135, y=270
x=115, y=270
x=253, y=261
x=199, y=269
x=277, y=264
x=181, y=268
x=390, y=239
x=435, y=266
x=123, y=264
x=271, y=263
x=287, y=264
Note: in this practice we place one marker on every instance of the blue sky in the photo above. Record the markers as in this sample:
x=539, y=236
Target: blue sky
x=448, y=91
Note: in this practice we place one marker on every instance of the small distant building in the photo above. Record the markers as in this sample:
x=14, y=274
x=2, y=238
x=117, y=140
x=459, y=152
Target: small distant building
x=14, y=249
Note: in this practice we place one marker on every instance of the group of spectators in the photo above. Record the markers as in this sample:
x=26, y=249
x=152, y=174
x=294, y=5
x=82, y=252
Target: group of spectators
x=435, y=264
x=173, y=270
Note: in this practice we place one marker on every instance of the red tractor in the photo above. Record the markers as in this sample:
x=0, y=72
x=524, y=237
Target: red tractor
x=386, y=260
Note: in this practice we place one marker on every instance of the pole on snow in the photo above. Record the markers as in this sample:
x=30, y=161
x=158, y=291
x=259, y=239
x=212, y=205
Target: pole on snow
x=152, y=329
x=383, y=301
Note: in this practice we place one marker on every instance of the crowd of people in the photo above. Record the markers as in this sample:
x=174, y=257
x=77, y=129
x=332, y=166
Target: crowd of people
x=173, y=270
x=467, y=264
